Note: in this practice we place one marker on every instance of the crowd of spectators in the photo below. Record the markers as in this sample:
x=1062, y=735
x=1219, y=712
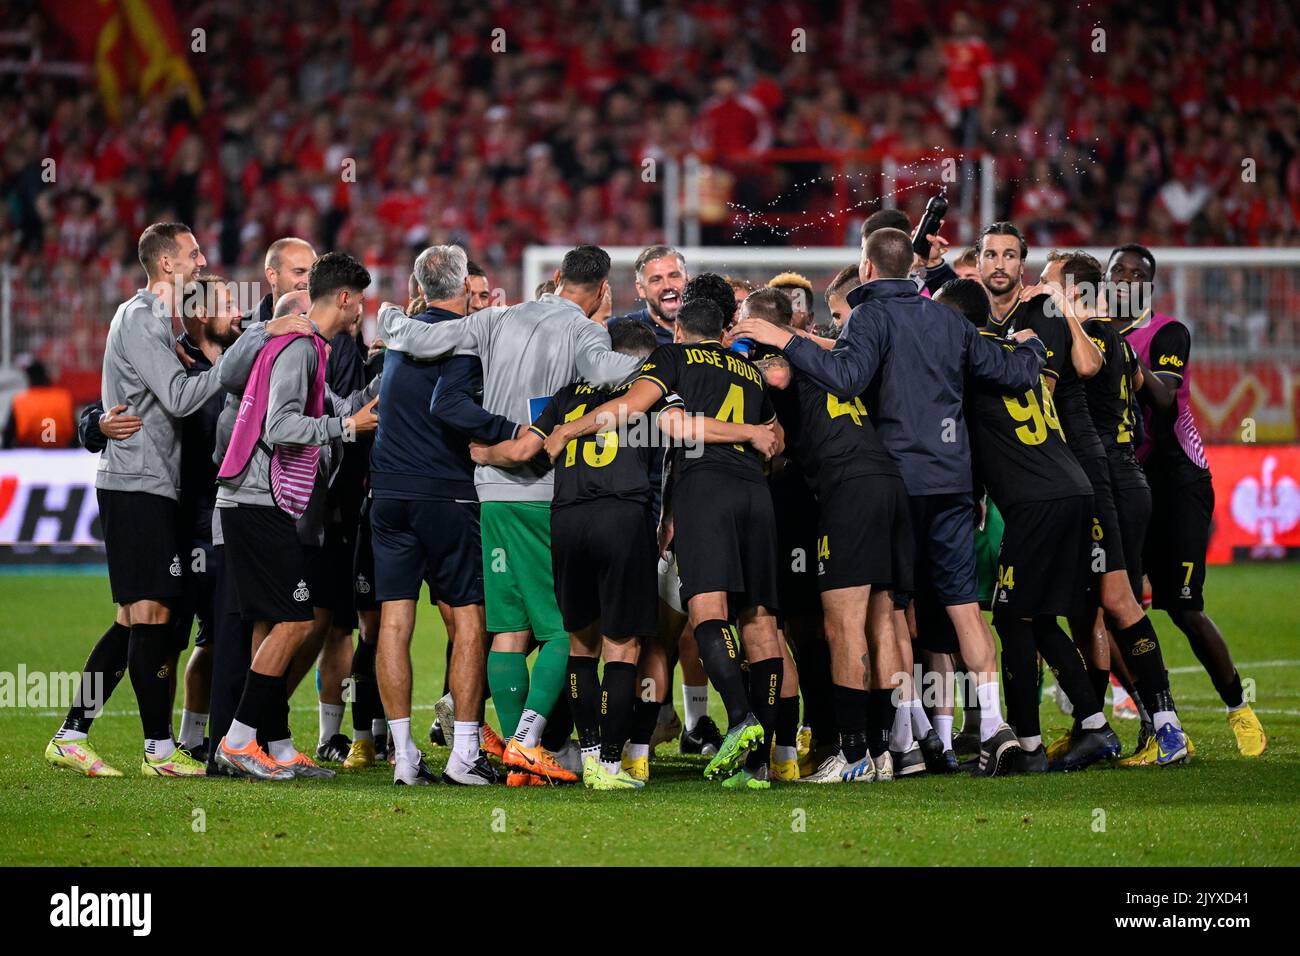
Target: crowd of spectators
x=380, y=126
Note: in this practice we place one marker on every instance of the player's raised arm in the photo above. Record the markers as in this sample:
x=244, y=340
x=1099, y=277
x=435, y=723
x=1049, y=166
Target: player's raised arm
x=423, y=340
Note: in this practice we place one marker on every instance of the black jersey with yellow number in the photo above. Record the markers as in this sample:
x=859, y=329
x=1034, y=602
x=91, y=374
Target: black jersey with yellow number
x=714, y=381
x=598, y=466
x=1020, y=452
x=1110, y=400
x=832, y=439
x=1039, y=315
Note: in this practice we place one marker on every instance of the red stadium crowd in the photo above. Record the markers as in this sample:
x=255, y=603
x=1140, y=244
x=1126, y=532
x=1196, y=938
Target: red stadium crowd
x=382, y=126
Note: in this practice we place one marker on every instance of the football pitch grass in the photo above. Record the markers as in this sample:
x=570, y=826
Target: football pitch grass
x=1221, y=809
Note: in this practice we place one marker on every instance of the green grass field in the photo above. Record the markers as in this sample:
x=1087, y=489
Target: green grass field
x=1222, y=809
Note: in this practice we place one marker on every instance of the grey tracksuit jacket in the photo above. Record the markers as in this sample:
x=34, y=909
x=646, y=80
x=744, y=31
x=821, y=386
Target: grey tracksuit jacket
x=143, y=372
x=285, y=424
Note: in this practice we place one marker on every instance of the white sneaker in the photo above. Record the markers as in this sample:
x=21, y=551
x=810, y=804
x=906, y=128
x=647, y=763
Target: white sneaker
x=884, y=768
x=828, y=771
x=569, y=757
x=669, y=728
x=412, y=773
x=863, y=771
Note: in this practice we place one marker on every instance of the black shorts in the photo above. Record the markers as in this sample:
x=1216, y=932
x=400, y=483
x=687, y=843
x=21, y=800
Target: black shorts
x=144, y=563
x=1044, y=566
x=943, y=532
x=796, y=509
x=363, y=564
x=267, y=564
x=1179, y=535
x=198, y=602
x=1133, y=503
x=333, y=574
x=605, y=564
x=437, y=534
x=864, y=535
x=724, y=534
x=1107, y=537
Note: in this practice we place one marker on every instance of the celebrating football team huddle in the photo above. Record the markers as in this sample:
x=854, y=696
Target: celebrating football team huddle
x=711, y=483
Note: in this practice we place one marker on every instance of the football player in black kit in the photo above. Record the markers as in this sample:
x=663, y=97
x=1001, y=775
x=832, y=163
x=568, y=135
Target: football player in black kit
x=1021, y=456
x=725, y=544
x=863, y=547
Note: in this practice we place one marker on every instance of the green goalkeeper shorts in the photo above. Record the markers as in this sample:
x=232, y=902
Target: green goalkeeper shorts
x=518, y=586
x=988, y=542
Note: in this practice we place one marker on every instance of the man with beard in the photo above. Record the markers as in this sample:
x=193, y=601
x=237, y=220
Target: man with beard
x=660, y=279
x=1182, y=493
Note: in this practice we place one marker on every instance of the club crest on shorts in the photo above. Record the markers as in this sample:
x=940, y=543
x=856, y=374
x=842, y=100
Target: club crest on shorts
x=362, y=585
x=175, y=569
x=301, y=594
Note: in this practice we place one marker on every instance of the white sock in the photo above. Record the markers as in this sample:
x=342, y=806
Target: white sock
x=282, y=751
x=590, y=753
x=1162, y=717
x=331, y=719
x=920, y=722
x=611, y=766
x=943, y=724
x=900, y=735
x=159, y=748
x=695, y=700
x=636, y=751
x=990, y=709
x=1093, y=722
x=529, y=731
x=1238, y=707
x=1030, y=743
x=379, y=728
x=480, y=736
x=66, y=734
x=358, y=734
x=784, y=754
x=403, y=745
x=465, y=740
x=238, y=736
x=193, y=727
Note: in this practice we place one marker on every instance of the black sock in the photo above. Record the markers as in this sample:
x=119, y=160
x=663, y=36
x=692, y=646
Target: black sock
x=720, y=655
x=275, y=725
x=584, y=700
x=851, y=705
x=559, y=726
x=1141, y=649
x=261, y=692
x=814, y=661
x=1020, y=675
x=617, y=698
x=787, y=721
x=147, y=662
x=645, y=714
x=764, y=691
x=104, y=670
x=364, y=689
x=880, y=719
x=1063, y=657
x=446, y=674
x=1098, y=680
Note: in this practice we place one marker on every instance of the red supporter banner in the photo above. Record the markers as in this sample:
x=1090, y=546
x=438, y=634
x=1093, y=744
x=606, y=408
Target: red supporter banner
x=132, y=46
